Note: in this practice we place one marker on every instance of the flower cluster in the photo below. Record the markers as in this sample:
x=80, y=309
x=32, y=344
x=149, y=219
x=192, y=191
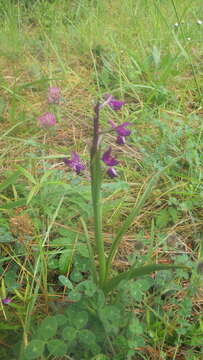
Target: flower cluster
x=48, y=119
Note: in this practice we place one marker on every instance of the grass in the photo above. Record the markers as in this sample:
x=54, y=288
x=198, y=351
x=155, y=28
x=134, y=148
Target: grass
x=135, y=51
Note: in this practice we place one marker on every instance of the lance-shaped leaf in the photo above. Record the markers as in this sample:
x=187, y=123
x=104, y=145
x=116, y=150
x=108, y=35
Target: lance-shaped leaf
x=137, y=272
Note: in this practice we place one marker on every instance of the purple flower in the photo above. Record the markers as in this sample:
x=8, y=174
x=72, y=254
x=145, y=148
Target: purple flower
x=120, y=140
x=6, y=301
x=111, y=172
x=53, y=95
x=47, y=120
x=74, y=163
x=108, y=159
x=112, y=102
x=121, y=131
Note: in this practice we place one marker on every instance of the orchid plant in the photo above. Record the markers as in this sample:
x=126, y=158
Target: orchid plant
x=102, y=272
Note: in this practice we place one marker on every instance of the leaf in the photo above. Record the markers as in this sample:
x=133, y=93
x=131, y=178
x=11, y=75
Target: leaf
x=111, y=317
x=61, y=319
x=48, y=327
x=135, y=327
x=139, y=271
x=69, y=333
x=88, y=287
x=57, y=347
x=67, y=242
x=81, y=319
x=32, y=193
x=156, y=55
x=5, y=236
x=87, y=337
x=34, y=349
x=66, y=282
x=65, y=260
x=9, y=181
x=83, y=249
x=27, y=175
x=162, y=219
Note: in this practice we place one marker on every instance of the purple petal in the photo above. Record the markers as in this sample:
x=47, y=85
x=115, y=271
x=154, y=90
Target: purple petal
x=74, y=163
x=6, y=301
x=112, y=102
x=75, y=157
x=111, y=172
x=120, y=140
x=67, y=162
x=108, y=159
x=122, y=131
x=116, y=104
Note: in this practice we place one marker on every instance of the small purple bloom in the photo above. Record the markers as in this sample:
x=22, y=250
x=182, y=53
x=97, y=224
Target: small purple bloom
x=112, y=102
x=108, y=159
x=6, y=301
x=53, y=95
x=74, y=163
x=111, y=172
x=120, y=140
x=47, y=120
x=121, y=129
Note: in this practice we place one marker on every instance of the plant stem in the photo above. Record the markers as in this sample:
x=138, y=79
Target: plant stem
x=96, y=196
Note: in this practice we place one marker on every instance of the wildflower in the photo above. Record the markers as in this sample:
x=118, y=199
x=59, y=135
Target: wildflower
x=6, y=301
x=53, y=95
x=199, y=22
x=108, y=159
x=112, y=102
x=47, y=120
x=111, y=172
x=74, y=163
x=121, y=131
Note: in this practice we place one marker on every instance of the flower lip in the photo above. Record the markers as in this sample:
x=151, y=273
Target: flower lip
x=108, y=159
x=74, y=163
x=53, y=95
x=47, y=120
x=111, y=172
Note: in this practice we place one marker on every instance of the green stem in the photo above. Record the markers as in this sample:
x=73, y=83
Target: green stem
x=95, y=169
x=97, y=210
x=90, y=249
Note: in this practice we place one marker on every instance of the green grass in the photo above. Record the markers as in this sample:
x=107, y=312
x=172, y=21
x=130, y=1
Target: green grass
x=133, y=50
